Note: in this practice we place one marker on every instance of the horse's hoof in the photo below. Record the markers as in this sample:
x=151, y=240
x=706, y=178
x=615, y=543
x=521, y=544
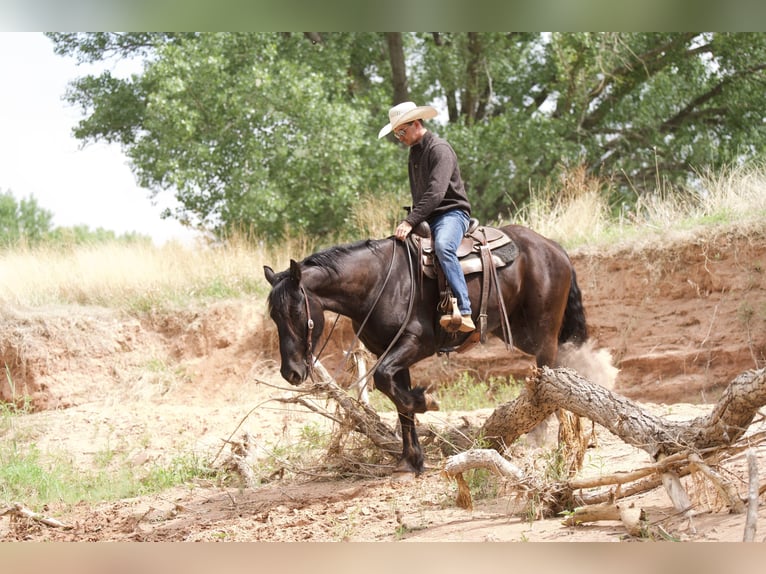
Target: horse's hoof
x=431, y=403
x=402, y=476
x=404, y=471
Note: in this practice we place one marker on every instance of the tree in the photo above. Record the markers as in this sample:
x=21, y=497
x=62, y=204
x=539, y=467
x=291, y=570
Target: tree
x=250, y=131
x=276, y=133
x=634, y=108
x=22, y=220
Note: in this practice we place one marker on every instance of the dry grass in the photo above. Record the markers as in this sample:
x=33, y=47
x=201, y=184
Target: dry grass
x=572, y=214
x=577, y=214
x=119, y=275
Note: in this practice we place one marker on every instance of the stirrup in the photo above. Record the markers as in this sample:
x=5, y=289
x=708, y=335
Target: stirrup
x=452, y=323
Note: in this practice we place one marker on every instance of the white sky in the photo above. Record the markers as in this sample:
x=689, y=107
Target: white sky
x=39, y=156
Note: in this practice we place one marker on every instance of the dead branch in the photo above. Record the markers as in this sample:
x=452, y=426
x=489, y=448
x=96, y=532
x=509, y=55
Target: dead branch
x=477, y=458
x=752, y=498
x=727, y=490
x=363, y=418
x=620, y=478
x=482, y=458
x=632, y=518
x=18, y=511
x=548, y=389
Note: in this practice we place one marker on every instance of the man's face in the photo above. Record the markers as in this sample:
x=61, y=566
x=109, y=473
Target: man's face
x=408, y=133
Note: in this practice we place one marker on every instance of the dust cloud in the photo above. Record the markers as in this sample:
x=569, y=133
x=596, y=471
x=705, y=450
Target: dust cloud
x=596, y=365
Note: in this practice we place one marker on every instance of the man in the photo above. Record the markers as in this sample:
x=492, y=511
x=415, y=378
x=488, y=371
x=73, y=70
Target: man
x=438, y=197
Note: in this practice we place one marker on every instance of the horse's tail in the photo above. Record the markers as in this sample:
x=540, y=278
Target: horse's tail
x=573, y=327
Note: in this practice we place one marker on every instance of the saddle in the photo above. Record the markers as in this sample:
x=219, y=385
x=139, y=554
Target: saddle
x=470, y=249
x=483, y=249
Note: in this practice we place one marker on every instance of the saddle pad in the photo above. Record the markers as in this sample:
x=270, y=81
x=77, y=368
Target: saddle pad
x=502, y=256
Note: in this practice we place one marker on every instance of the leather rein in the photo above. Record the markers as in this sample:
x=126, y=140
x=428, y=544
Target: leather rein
x=310, y=359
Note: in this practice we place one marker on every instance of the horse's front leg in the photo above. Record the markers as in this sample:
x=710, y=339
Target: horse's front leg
x=408, y=402
x=393, y=380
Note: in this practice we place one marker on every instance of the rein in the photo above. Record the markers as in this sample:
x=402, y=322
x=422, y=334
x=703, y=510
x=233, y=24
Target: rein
x=310, y=359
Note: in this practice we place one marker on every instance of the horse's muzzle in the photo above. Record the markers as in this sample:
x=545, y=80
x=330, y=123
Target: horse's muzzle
x=293, y=375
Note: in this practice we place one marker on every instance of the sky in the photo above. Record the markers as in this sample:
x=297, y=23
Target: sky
x=39, y=156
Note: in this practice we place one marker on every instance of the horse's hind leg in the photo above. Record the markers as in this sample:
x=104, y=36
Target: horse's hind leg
x=547, y=354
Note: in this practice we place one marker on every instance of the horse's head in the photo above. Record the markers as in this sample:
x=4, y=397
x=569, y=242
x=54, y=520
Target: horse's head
x=299, y=321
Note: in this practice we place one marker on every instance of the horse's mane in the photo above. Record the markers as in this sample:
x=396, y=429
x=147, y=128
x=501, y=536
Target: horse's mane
x=330, y=258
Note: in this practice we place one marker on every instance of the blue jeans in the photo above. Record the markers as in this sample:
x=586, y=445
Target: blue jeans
x=447, y=231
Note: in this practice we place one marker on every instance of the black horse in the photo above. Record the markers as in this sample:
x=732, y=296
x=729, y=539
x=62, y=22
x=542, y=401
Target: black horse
x=394, y=311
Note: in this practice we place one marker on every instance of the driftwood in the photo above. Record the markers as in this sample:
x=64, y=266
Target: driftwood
x=549, y=389
x=677, y=447
x=18, y=511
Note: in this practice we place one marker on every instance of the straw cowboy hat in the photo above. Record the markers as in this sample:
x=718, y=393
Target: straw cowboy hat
x=404, y=113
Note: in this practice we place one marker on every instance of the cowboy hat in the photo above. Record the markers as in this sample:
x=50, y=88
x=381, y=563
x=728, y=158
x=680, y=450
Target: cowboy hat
x=404, y=113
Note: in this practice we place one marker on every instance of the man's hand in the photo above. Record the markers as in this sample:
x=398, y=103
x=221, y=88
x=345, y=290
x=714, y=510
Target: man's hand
x=402, y=231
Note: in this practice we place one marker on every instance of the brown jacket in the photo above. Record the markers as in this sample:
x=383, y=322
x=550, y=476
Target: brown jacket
x=435, y=181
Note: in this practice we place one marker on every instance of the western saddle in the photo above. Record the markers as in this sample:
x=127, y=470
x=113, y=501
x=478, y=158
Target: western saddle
x=482, y=250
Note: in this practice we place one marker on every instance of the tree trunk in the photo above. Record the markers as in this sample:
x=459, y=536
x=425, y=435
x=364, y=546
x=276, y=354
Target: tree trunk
x=475, y=93
x=398, y=67
x=549, y=389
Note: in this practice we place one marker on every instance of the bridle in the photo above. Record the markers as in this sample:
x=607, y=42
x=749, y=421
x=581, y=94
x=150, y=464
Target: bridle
x=309, y=358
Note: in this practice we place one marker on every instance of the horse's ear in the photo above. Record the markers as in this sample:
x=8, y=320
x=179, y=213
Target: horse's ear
x=269, y=273
x=295, y=271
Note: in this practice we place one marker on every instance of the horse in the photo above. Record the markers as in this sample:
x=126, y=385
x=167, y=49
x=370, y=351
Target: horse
x=393, y=311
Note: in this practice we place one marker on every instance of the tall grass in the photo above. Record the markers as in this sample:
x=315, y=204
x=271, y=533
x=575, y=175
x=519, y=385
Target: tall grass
x=576, y=213
x=582, y=210
x=138, y=276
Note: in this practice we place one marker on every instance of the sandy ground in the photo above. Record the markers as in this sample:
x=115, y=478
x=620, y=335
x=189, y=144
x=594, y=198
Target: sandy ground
x=679, y=321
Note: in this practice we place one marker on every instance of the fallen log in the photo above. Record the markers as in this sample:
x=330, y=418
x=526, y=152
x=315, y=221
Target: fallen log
x=361, y=416
x=674, y=445
x=549, y=389
x=669, y=443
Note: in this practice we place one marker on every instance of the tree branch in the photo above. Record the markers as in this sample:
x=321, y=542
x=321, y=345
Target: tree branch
x=548, y=389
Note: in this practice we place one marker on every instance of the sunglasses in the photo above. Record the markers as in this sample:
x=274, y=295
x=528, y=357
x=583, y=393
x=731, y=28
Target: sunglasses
x=400, y=132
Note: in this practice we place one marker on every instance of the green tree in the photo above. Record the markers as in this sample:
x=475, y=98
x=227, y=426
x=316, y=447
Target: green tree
x=83, y=234
x=630, y=107
x=261, y=132
x=22, y=220
x=276, y=133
